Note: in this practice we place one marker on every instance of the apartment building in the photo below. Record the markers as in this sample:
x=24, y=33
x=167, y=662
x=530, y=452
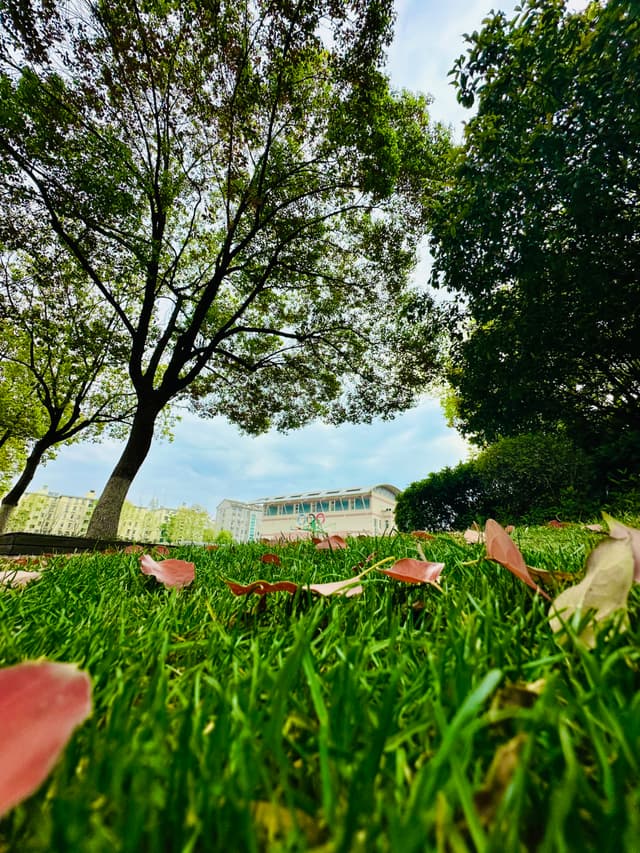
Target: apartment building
x=49, y=512
x=362, y=510
x=241, y=519
x=143, y=524
x=66, y=515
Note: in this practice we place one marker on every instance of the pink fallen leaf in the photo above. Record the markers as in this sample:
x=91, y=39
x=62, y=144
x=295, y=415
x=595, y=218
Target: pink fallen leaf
x=41, y=703
x=472, y=537
x=618, y=530
x=502, y=549
x=347, y=588
x=13, y=577
x=270, y=558
x=595, y=528
x=174, y=573
x=414, y=571
x=331, y=543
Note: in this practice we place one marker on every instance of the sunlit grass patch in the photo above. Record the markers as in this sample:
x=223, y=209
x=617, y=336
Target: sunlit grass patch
x=407, y=718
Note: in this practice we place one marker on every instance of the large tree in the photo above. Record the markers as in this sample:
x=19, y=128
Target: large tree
x=61, y=375
x=539, y=231
x=244, y=190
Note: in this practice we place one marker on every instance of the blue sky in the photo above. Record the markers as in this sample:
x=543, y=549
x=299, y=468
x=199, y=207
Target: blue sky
x=211, y=460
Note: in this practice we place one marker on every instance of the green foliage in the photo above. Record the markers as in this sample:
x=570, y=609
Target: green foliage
x=531, y=478
x=61, y=362
x=364, y=724
x=223, y=537
x=534, y=478
x=189, y=524
x=445, y=500
x=540, y=227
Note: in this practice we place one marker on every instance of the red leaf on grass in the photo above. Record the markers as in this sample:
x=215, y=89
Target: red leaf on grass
x=421, y=534
x=177, y=573
x=41, y=703
x=161, y=551
x=332, y=543
x=502, y=549
x=270, y=558
x=14, y=577
x=261, y=587
x=414, y=571
x=347, y=587
x=557, y=524
x=133, y=549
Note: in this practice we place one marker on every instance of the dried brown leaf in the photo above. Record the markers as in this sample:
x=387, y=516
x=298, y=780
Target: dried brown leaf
x=604, y=588
x=618, y=530
x=502, y=549
x=332, y=543
x=499, y=776
x=415, y=571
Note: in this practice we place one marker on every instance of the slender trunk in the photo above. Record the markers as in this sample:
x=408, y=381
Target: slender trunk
x=10, y=500
x=106, y=515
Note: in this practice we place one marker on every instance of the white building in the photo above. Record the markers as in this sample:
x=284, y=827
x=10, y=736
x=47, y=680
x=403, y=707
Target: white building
x=242, y=520
x=363, y=510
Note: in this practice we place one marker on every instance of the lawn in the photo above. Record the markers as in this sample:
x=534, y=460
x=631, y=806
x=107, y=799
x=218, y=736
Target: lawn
x=408, y=718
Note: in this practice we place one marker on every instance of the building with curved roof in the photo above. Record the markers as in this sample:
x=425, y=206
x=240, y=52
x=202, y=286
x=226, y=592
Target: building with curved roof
x=362, y=510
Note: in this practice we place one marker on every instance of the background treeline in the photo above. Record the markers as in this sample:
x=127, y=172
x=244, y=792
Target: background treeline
x=527, y=479
x=537, y=237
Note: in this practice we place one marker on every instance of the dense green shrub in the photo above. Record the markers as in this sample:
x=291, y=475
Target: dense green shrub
x=445, y=500
x=531, y=478
x=534, y=478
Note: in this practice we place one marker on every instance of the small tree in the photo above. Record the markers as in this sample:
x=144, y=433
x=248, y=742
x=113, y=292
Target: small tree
x=244, y=191
x=60, y=373
x=189, y=524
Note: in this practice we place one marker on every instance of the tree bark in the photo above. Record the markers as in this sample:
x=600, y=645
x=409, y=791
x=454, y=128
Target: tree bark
x=11, y=499
x=106, y=514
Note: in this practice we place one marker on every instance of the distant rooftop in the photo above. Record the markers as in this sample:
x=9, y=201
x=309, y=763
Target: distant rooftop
x=329, y=493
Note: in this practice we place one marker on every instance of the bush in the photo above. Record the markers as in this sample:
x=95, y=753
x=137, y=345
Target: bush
x=528, y=479
x=446, y=500
x=535, y=477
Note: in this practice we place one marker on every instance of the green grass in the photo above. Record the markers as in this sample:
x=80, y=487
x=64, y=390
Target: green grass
x=362, y=724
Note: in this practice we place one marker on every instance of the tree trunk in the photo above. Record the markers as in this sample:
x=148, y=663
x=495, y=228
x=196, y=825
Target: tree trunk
x=106, y=515
x=11, y=499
